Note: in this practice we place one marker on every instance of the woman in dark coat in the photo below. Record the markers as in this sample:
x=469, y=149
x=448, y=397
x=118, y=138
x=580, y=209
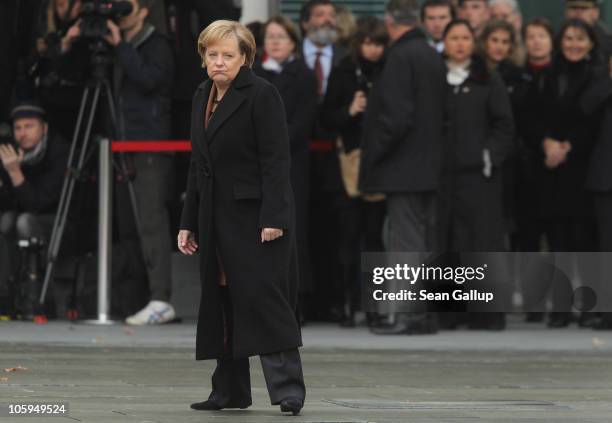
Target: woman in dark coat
x=239, y=207
x=479, y=138
x=565, y=204
x=297, y=86
x=531, y=121
x=498, y=44
x=359, y=222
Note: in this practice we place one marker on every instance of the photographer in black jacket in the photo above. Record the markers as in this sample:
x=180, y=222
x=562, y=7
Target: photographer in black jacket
x=31, y=174
x=142, y=84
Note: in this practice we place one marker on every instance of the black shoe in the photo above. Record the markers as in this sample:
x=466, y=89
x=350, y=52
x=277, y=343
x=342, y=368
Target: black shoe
x=494, y=321
x=588, y=320
x=376, y=320
x=559, y=320
x=292, y=404
x=348, y=322
x=211, y=405
x=604, y=323
x=409, y=324
x=534, y=317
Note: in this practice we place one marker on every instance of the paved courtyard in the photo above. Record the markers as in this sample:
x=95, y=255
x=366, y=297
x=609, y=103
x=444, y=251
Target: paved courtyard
x=119, y=374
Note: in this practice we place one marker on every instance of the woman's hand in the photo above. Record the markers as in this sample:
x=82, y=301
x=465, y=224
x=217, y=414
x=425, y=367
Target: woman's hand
x=270, y=234
x=359, y=103
x=187, y=243
x=555, y=152
x=73, y=33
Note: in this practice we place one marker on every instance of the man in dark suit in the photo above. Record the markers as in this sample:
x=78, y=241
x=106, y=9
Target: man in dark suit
x=599, y=182
x=318, y=22
x=402, y=143
x=320, y=33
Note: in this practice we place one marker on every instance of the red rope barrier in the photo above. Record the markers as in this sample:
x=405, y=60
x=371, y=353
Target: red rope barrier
x=185, y=146
x=150, y=146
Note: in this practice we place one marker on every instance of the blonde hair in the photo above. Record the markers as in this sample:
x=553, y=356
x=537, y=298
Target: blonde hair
x=223, y=29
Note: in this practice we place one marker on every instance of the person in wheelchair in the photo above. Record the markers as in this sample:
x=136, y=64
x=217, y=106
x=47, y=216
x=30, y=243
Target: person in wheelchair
x=32, y=169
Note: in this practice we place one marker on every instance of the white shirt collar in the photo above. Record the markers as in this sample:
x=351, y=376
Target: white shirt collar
x=311, y=48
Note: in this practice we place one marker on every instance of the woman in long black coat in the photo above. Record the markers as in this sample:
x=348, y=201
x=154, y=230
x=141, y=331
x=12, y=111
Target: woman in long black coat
x=531, y=121
x=571, y=131
x=359, y=223
x=239, y=208
x=297, y=86
x=499, y=42
x=479, y=138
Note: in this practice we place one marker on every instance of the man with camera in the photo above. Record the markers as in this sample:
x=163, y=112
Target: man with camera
x=31, y=176
x=142, y=80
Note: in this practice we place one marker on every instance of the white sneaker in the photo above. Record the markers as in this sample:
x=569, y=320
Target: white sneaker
x=155, y=313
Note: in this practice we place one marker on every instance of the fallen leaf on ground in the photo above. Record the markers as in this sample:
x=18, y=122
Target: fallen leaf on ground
x=3, y=379
x=598, y=343
x=15, y=369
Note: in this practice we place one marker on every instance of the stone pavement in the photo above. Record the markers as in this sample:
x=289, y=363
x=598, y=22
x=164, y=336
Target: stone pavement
x=119, y=374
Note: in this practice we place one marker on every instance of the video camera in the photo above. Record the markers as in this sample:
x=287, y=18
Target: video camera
x=95, y=13
x=6, y=135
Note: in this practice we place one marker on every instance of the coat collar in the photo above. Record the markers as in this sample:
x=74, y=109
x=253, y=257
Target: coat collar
x=413, y=34
x=231, y=101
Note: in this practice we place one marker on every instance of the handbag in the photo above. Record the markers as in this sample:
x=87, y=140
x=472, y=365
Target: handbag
x=349, y=168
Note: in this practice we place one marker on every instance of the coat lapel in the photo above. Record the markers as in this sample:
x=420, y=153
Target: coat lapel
x=198, y=117
x=230, y=103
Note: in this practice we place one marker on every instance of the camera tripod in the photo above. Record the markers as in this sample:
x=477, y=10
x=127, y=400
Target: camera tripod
x=92, y=96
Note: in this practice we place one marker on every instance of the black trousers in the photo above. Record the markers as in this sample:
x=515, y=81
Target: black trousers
x=231, y=380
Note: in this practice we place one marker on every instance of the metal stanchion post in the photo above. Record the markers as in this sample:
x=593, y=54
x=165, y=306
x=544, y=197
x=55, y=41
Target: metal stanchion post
x=104, y=234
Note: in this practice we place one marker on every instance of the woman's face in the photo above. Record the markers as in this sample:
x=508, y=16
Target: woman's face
x=371, y=51
x=223, y=60
x=498, y=46
x=459, y=43
x=277, y=43
x=538, y=43
x=575, y=44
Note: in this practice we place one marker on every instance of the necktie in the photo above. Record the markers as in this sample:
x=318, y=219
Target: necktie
x=318, y=70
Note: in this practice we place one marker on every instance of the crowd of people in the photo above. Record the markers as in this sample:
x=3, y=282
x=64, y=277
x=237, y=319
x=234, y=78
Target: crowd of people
x=446, y=126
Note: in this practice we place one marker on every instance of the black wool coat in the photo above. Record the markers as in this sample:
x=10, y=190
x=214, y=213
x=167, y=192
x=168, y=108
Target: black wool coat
x=532, y=117
x=297, y=86
x=344, y=82
x=479, y=118
x=238, y=184
x=402, y=132
x=563, y=188
x=598, y=98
